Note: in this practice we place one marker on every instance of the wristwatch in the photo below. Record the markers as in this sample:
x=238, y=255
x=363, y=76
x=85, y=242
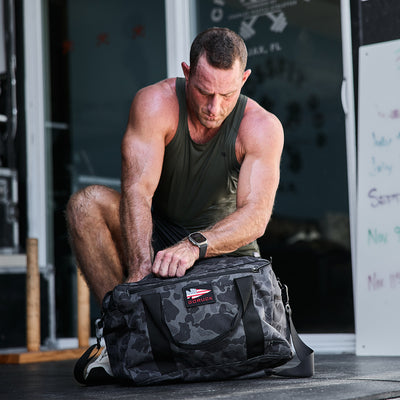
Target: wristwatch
x=199, y=240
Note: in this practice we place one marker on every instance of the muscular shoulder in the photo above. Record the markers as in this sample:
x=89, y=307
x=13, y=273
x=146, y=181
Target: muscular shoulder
x=155, y=108
x=157, y=95
x=260, y=132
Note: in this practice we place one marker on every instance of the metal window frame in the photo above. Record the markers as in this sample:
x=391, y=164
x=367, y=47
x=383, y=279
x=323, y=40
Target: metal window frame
x=35, y=128
x=180, y=28
x=350, y=126
x=36, y=148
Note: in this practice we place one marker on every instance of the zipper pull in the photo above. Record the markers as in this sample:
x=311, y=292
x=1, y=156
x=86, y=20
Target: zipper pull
x=259, y=267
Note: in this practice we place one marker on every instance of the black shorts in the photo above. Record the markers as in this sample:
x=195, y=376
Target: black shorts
x=166, y=233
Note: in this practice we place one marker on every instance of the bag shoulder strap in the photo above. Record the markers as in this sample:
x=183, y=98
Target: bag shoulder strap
x=305, y=354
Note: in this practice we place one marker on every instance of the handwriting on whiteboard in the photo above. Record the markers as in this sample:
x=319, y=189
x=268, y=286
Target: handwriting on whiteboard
x=379, y=237
x=385, y=140
x=381, y=164
x=378, y=199
x=380, y=167
x=381, y=141
x=377, y=281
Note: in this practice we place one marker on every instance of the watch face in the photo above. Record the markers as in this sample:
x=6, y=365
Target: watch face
x=198, y=237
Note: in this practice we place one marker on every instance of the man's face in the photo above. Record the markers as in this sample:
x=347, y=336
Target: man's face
x=212, y=93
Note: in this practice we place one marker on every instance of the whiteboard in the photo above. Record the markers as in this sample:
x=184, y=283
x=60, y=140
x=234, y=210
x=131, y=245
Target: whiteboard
x=378, y=217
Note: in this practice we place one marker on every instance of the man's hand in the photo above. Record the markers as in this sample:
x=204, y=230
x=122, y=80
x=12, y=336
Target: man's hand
x=175, y=260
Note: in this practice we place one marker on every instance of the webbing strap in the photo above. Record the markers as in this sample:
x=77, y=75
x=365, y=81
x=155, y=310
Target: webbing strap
x=160, y=346
x=305, y=368
x=251, y=319
x=305, y=354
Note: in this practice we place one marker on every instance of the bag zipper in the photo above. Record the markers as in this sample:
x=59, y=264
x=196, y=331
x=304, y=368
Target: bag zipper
x=223, y=271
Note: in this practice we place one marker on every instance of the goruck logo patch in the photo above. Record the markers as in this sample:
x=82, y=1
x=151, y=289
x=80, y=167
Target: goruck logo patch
x=198, y=295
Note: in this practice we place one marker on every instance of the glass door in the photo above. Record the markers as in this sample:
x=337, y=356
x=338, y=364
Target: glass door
x=295, y=54
x=100, y=54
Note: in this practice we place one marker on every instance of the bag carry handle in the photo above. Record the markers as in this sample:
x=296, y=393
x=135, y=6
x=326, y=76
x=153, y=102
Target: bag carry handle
x=153, y=309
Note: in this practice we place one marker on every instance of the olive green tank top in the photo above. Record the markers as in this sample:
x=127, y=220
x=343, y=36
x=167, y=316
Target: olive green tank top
x=198, y=182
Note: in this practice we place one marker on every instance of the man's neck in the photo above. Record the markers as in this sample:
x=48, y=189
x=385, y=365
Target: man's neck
x=199, y=133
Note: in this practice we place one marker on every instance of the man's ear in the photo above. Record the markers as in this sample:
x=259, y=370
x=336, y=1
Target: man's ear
x=246, y=74
x=186, y=70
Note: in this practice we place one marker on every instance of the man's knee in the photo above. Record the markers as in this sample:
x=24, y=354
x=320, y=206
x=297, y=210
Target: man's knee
x=84, y=203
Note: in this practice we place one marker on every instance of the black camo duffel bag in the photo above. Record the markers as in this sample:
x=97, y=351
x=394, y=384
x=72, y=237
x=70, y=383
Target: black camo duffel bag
x=227, y=317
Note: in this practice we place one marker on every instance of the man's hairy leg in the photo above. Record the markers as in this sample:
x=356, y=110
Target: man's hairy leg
x=95, y=235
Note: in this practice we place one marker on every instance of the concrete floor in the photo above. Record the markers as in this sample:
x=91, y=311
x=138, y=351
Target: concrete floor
x=338, y=377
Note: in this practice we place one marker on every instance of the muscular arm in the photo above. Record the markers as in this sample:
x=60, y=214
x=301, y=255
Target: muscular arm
x=142, y=156
x=260, y=144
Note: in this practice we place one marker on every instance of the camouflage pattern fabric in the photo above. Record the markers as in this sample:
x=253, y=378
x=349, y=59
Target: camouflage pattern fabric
x=201, y=323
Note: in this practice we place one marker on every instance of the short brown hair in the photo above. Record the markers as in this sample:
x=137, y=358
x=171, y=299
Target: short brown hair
x=221, y=46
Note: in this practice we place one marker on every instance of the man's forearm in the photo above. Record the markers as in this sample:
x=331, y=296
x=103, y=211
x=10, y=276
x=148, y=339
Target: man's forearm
x=136, y=225
x=236, y=230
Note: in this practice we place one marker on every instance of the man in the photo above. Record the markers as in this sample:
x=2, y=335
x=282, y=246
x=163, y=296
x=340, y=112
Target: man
x=200, y=169
x=111, y=233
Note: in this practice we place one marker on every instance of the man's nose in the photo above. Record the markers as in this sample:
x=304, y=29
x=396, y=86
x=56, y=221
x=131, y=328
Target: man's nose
x=214, y=105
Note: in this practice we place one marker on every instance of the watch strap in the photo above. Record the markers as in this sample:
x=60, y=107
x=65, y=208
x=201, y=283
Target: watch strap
x=202, y=250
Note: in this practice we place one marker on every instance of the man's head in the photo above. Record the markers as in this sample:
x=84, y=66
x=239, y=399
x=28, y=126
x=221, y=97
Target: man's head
x=221, y=46
x=215, y=76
